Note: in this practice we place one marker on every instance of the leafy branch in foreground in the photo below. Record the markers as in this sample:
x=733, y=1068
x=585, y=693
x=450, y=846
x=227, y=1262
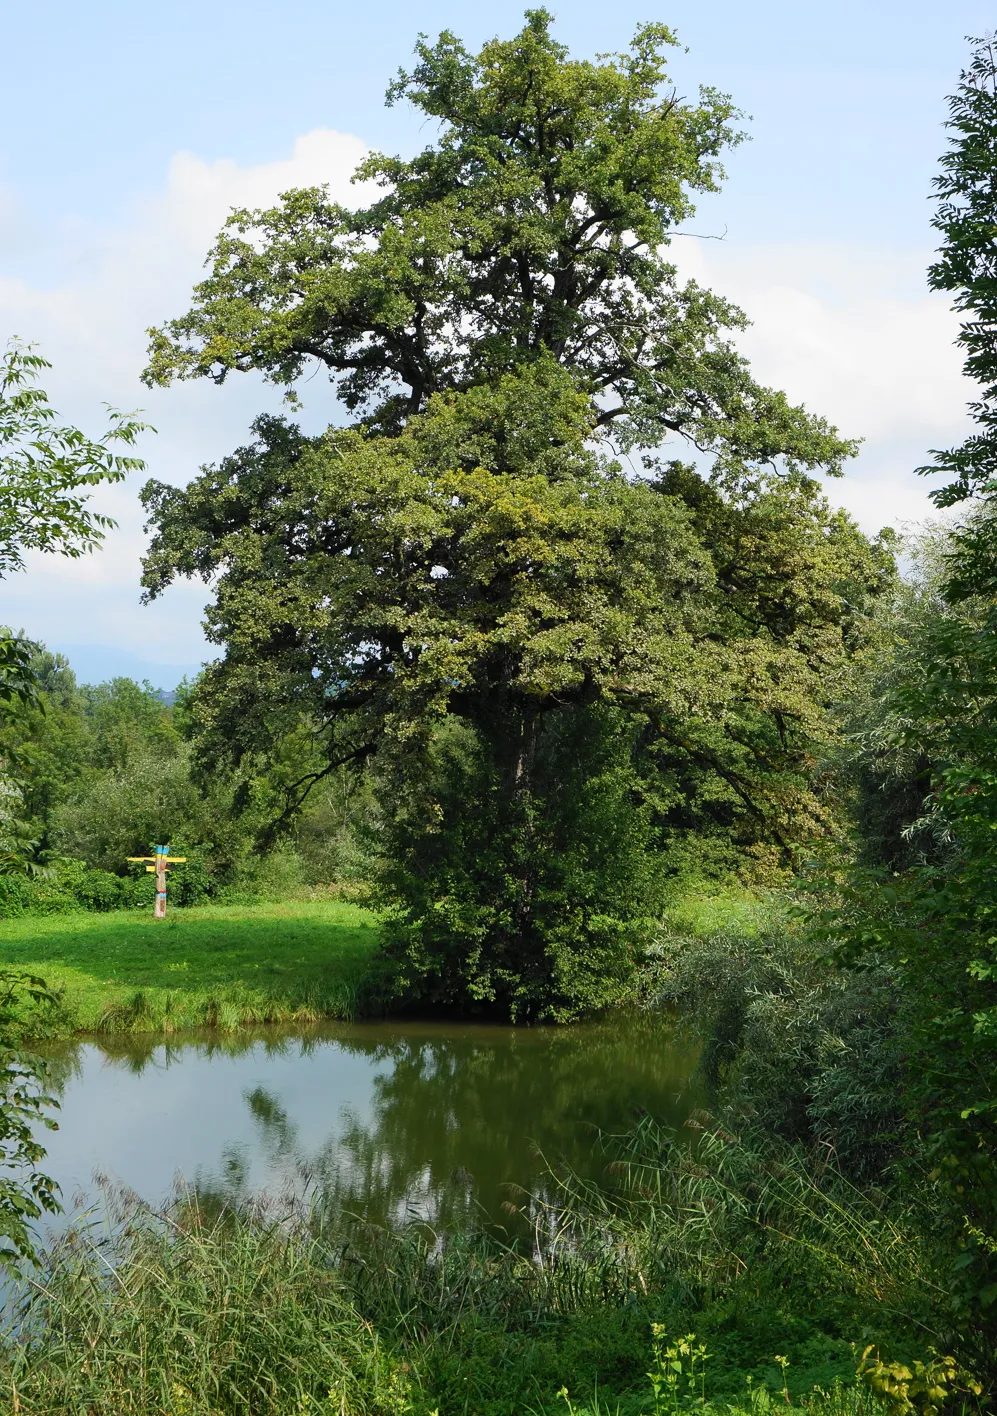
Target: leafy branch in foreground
x=47, y=471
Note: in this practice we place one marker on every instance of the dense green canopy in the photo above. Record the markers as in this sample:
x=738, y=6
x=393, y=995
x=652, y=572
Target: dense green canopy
x=468, y=559
x=967, y=266
x=472, y=565
x=536, y=226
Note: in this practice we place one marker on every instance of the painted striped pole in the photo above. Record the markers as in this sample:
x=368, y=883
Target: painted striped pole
x=161, y=862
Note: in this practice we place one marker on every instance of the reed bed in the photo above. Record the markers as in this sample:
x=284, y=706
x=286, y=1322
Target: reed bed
x=178, y=1313
x=779, y=1265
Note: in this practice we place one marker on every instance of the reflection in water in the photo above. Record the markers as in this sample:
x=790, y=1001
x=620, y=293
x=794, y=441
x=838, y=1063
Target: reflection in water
x=387, y=1120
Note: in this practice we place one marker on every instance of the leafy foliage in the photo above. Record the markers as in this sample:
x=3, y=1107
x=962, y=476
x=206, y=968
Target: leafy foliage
x=521, y=589
x=18, y=693
x=967, y=210
x=937, y=921
x=25, y=1191
x=932, y=1386
x=808, y=1052
x=18, y=686
x=47, y=472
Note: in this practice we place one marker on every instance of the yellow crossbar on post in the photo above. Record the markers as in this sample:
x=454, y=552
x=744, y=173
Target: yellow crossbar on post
x=162, y=860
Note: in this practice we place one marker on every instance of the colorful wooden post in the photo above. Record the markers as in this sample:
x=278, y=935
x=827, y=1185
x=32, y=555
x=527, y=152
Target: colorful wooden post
x=162, y=860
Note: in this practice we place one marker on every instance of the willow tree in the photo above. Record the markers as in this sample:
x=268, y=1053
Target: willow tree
x=463, y=581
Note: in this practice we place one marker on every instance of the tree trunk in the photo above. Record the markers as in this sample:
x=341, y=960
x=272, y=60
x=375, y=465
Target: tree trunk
x=519, y=752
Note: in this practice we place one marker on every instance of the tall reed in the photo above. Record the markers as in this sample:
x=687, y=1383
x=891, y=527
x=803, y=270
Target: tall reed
x=177, y=1314
x=718, y=1210
x=279, y=1311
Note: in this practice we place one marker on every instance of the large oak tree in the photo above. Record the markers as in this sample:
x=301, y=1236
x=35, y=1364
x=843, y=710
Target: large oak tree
x=464, y=581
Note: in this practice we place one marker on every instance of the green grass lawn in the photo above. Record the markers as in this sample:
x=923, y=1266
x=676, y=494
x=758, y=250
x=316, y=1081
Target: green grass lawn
x=218, y=965
x=711, y=908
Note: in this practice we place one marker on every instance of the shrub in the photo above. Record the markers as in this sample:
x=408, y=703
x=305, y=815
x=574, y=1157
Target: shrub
x=73, y=885
x=811, y=1052
x=13, y=896
x=44, y=895
x=100, y=890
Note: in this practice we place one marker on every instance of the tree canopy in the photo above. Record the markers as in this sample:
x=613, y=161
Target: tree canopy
x=536, y=227
x=379, y=583
x=468, y=552
x=967, y=266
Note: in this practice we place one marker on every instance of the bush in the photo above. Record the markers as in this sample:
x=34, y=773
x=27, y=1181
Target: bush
x=13, y=896
x=811, y=1052
x=73, y=885
x=100, y=890
x=328, y=835
x=41, y=895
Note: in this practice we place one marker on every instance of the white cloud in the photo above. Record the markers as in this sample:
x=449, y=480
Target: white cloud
x=90, y=322
x=850, y=330
x=117, y=281
x=853, y=333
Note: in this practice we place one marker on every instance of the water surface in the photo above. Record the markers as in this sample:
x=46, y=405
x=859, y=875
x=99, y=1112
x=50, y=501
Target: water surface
x=392, y=1119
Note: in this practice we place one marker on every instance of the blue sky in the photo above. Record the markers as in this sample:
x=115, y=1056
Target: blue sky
x=134, y=128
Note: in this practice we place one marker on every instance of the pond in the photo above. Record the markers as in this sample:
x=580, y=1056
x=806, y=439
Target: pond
x=391, y=1119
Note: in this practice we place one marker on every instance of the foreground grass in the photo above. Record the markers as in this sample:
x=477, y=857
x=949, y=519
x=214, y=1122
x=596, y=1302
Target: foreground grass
x=217, y=965
x=199, y=1311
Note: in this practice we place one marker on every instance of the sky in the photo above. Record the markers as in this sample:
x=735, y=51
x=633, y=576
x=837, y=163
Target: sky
x=132, y=129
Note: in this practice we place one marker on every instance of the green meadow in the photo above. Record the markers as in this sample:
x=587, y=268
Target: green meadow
x=218, y=965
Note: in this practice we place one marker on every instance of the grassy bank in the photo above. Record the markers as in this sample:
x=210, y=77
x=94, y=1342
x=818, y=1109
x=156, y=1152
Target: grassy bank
x=230, y=965
x=218, y=965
